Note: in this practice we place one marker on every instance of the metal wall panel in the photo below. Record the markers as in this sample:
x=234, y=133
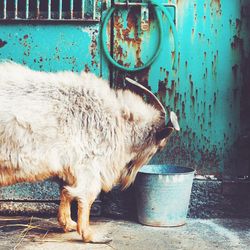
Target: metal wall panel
x=210, y=89
x=51, y=48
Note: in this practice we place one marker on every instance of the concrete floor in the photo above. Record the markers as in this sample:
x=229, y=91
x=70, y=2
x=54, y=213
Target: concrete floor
x=31, y=233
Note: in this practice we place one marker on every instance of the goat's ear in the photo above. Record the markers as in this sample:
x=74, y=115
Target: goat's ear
x=164, y=133
x=170, y=127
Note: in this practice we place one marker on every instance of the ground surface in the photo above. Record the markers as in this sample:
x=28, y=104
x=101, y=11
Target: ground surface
x=31, y=233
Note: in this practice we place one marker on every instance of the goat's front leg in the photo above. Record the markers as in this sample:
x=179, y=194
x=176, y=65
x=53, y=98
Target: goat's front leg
x=64, y=213
x=83, y=227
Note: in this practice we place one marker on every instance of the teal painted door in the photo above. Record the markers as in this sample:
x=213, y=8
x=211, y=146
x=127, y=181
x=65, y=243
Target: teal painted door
x=209, y=91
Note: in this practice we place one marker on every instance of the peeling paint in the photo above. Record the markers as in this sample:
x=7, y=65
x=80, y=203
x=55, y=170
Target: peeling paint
x=2, y=43
x=206, y=92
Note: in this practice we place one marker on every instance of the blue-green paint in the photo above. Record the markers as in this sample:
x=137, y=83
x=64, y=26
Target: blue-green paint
x=206, y=90
x=50, y=48
x=209, y=90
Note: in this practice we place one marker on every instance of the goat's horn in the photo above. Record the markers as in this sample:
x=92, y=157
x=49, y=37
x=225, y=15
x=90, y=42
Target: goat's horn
x=173, y=121
x=148, y=93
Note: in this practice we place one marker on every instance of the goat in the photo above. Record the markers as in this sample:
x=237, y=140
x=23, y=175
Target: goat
x=75, y=127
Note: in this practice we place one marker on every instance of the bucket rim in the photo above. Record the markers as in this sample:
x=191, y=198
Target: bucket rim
x=188, y=172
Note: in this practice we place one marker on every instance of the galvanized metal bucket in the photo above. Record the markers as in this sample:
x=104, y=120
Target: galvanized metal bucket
x=163, y=194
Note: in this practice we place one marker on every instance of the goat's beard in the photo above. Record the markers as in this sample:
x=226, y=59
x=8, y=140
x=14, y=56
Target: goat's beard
x=132, y=168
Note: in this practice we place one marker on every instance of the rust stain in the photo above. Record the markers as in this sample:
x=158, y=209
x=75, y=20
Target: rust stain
x=237, y=43
x=176, y=100
x=129, y=35
x=206, y=71
x=215, y=98
x=235, y=70
x=183, y=109
x=172, y=55
x=136, y=41
x=118, y=51
x=191, y=87
x=25, y=36
x=217, y=5
x=171, y=90
x=93, y=48
x=238, y=24
x=205, y=55
x=86, y=68
x=162, y=91
x=216, y=2
x=214, y=64
x=2, y=43
x=118, y=26
x=192, y=32
x=209, y=109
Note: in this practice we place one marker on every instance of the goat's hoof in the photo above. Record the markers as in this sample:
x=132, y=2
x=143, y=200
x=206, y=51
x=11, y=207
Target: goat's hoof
x=97, y=239
x=70, y=226
x=101, y=239
x=67, y=225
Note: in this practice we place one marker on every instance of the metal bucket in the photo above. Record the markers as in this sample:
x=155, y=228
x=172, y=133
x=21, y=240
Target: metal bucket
x=163, y=194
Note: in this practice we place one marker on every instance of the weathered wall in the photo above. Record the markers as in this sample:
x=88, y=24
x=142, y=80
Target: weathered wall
x=210, y=90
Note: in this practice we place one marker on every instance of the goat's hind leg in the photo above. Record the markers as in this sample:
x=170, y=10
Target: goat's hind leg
x=64, y=213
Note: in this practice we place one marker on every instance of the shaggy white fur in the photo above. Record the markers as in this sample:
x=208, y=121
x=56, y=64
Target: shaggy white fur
x=75, y=127
x=49, y=121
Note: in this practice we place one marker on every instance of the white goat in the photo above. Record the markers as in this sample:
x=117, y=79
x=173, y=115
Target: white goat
x=75, y=127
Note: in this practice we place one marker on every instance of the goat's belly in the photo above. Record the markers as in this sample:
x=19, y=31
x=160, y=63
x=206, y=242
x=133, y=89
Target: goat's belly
x=10, y=176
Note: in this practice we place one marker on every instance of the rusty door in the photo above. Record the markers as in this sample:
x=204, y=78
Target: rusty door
x=209, y=88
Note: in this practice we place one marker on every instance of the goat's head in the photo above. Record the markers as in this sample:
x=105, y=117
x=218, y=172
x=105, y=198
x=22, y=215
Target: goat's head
x=155, y=140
